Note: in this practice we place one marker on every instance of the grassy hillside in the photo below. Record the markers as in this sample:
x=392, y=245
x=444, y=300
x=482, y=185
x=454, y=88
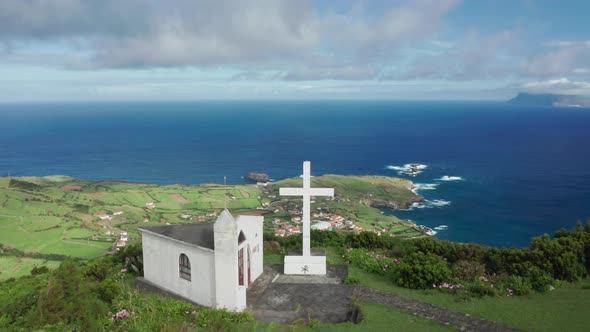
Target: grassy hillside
x=60, y=215
x=359, y=188
x=359, y=198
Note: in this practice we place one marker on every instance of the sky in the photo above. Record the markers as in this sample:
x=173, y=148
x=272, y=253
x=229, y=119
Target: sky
x=76, y=50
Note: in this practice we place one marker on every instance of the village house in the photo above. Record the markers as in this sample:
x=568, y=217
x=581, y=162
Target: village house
x=211, y=264
x=322, y=226
x=105, y=217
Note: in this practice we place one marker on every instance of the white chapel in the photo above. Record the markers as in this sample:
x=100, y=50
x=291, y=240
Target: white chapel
x=208, y=264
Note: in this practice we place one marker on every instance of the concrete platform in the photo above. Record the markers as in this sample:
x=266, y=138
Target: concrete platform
x=283, y=298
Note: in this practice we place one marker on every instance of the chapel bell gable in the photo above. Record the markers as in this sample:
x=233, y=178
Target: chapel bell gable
x=226, y=223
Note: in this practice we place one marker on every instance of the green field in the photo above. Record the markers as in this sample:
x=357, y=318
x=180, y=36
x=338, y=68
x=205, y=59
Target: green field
x=14, y=267
x=59, y=214
x=567, y=305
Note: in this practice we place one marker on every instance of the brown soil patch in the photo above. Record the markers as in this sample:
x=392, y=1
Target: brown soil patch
x=179, y=198
x=245, y=193
x=71, y=187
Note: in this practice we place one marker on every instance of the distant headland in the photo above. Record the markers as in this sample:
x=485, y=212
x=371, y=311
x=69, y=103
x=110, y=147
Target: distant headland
x=550, y=100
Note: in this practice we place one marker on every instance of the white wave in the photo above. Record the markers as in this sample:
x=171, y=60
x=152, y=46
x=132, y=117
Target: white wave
x=425, y=186
x=439, y=202
x=450, y=178
x=408, y=169
x=428, y=204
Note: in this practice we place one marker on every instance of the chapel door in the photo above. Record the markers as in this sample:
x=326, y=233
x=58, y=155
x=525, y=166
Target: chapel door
x=249, y=271
x=241, y=267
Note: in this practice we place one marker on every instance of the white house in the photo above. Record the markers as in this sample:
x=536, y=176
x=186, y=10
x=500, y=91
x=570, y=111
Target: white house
x=208, y=264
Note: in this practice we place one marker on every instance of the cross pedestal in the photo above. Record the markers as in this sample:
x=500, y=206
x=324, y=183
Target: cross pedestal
x=306, y=263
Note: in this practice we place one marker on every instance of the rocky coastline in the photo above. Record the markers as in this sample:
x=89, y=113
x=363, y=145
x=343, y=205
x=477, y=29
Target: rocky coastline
x=257, y=177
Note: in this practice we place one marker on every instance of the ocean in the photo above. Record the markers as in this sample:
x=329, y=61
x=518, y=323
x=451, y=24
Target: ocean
x=494, y=173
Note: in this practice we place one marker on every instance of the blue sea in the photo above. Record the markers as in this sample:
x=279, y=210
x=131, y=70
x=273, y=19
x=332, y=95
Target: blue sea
x=516, y=172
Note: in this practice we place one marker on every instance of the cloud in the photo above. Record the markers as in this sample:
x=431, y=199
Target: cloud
x=370, y=35
x=474, y=56
x=175, y=33
x=558, y=86
x=563, y=57
x=350, y=72
x=552, y=63
x=283, y=35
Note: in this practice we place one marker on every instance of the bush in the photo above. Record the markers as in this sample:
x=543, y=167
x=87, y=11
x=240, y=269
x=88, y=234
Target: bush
x=421, y=271
x=99, y=269
x=39, y=270
x=481, y=289
x=271, y=247
x=371, y=262
x=516, y=285
x=468, y=270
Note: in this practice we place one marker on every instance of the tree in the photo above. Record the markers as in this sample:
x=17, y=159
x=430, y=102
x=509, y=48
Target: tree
x=420, y=271
x=67, y=300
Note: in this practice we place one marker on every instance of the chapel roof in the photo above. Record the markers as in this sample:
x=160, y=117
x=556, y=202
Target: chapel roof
x=197, y=234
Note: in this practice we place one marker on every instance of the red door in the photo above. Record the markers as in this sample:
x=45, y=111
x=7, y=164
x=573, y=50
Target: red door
x=241, y=267
x=249, y=272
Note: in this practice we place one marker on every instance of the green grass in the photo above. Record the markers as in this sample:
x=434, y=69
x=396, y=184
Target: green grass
x=14, y=267
x=378, y=317
x=271, y=259
x=563, y=309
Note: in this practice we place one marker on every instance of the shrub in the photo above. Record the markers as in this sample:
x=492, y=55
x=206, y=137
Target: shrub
x=517, y=285
x=39, y=270
x=468, y=270
x=271, y=247
x=371, y=262
x=421, y=271
x=481, y=288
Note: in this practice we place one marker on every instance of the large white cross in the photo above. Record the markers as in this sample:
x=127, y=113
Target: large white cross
x=306, y=192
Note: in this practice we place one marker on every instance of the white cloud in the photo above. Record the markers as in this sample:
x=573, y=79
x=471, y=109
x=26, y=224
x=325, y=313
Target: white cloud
x=559, y=86
x=135, y=33
x=563, y=57
x=475, y=56
x=283, y=35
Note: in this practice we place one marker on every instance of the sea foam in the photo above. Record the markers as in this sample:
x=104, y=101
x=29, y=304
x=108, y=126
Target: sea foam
x=423, y=186
x=450, y=178
x=428, y=204
x=408, y=169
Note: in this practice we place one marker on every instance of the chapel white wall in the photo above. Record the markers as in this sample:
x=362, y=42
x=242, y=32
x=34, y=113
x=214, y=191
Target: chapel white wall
x=252, y=228
x=161, y=267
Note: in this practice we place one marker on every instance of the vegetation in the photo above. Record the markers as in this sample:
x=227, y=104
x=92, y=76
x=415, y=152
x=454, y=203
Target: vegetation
x=467, y=270
x=43, y=220
x=359, y=199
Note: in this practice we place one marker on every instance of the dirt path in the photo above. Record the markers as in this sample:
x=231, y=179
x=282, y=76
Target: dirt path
x=18, y=267
x=463, y=322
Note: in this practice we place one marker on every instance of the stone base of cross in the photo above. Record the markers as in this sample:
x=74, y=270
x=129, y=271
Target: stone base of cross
x=306, y=264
